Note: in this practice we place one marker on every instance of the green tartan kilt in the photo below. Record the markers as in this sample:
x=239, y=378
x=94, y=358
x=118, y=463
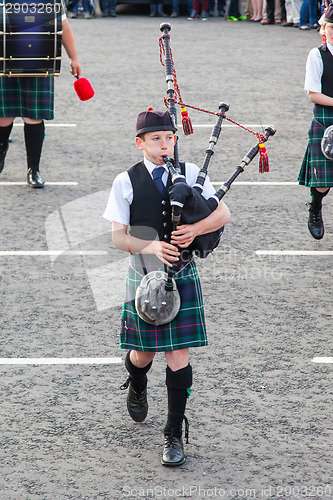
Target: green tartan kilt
x=187, y=329
x=316, y=169
x=28, y=96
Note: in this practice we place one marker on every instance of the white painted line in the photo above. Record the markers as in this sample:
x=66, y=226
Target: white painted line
x=43, y=253
x=50, y=124
x=295, y=252
x=255, y=183
x=322, y=360
x=248, y=125
x=59, y=361
x=46, y=183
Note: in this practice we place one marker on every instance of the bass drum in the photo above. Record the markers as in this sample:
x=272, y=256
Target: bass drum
x=30, y=38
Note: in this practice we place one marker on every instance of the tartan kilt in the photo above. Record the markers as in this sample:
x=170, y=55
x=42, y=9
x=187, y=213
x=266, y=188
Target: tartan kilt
x=187, y=329
x=316, y=169
x=28, y=96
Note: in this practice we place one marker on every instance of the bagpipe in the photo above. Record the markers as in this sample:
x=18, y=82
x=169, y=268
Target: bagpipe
x=157, y=299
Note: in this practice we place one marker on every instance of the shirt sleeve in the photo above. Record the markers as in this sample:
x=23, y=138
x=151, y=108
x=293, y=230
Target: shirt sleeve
x=313, y=71
x=120, y=199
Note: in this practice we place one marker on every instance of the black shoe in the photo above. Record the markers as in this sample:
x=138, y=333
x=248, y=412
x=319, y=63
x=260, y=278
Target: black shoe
x=34, y=180
x=315, y=222
x=137, y=404
x=173, y=452
x=3, y=152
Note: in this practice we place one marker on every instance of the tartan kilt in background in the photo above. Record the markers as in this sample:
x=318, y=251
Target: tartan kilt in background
x=28, y=96
x=316, y=169
x=187, y=329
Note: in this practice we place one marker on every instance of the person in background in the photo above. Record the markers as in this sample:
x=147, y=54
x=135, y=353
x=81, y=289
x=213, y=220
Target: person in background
x=32, y=98
x=108, y=8
x=317, y=167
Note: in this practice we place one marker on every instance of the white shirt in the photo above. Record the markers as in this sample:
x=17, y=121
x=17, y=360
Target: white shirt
x=314, y=70
x=121, y=196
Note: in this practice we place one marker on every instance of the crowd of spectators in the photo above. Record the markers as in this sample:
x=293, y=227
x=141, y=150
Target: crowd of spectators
x=302, y=14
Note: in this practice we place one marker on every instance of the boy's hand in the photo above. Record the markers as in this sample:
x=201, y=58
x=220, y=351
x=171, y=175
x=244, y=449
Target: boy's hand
x=184, y=235
x=166, y=252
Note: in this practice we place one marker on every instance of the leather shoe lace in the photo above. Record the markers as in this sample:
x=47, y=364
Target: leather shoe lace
x=315, y=222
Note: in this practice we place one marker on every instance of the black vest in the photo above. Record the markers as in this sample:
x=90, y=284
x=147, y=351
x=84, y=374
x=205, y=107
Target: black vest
x=327, y=77
x=150, y=212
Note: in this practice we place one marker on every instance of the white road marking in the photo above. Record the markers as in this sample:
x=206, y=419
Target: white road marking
x=50, y=124
x=46, y=183
x=322, y=360
x=258, y=183
x=295, y=252
x=59, y=361
x=42, y=253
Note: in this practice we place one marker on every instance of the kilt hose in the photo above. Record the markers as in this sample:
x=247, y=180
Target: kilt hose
x=28, y=96
x=316, y=169
x=187, y=329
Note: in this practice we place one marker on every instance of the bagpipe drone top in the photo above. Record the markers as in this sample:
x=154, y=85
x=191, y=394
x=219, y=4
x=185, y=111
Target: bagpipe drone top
x=157, y=299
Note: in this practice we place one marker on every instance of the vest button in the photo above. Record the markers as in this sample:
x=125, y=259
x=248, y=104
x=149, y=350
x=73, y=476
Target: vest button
x=165, y=224
x=165, y=236
x=164, y=213
x=163, y=202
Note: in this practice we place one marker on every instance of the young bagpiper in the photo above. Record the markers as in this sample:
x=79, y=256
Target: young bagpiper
x=317, y=168
x=139, y=208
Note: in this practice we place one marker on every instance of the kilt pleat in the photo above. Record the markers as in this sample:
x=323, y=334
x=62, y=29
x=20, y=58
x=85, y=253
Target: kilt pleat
x=29, y=96
x=187, y=329
x=316, y=169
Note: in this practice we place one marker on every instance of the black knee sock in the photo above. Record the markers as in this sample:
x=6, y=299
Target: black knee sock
x=34, y=137
x=138, y=375
x=5, y=133
x=317, y=197
x=178, y=384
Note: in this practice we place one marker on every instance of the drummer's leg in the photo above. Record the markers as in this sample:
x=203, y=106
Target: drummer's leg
x=6, y=125
x=34, y=132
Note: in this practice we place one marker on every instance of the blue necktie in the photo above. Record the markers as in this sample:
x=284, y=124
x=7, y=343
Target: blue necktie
x=157, y=176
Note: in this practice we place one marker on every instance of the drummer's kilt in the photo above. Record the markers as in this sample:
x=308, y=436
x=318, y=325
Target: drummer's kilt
x=187, y=329
x=316, y=169
x=28, y=96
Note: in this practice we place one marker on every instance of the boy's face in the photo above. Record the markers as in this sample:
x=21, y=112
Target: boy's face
x=329, y=32
x=155, y=145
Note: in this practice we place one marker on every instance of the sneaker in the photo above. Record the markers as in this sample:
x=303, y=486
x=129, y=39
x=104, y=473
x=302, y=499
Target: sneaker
x=193, y=16
x=74, y=15
x=242, y=18
x=87, y=15
x=174, y=14
x=232, y=18
x=204, y=15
